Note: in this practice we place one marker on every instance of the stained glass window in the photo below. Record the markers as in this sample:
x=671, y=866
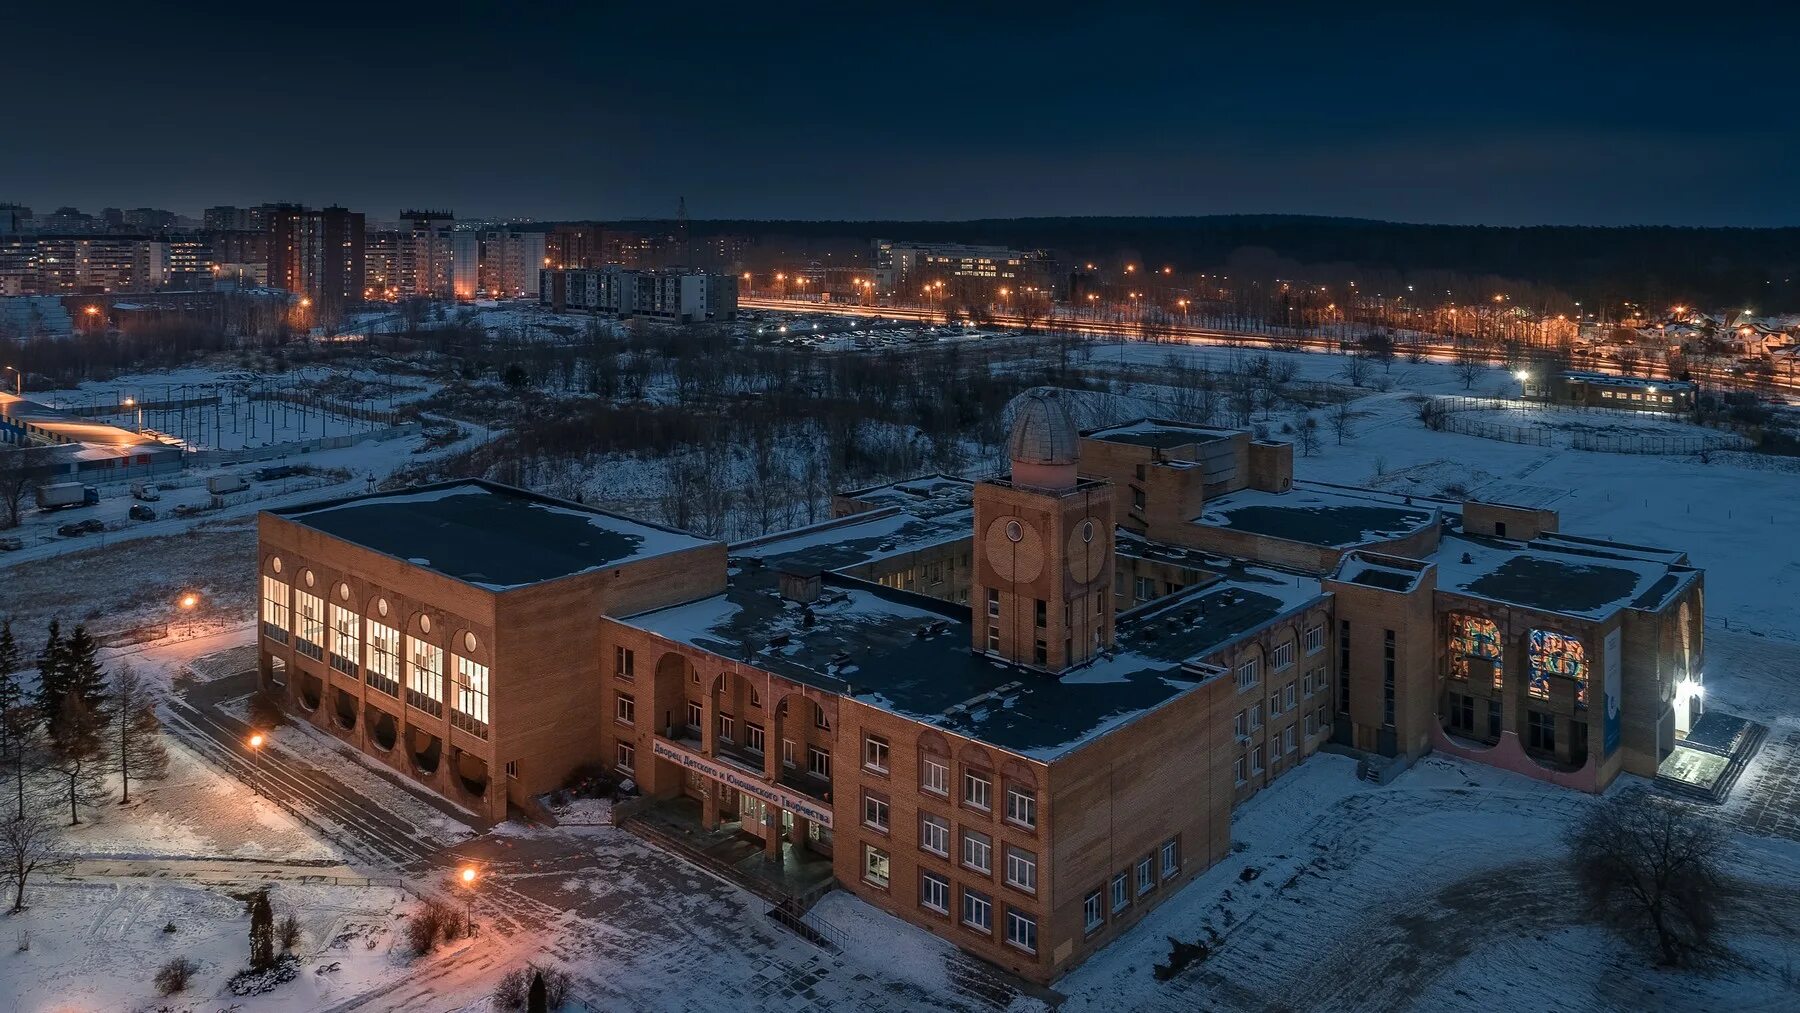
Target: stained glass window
x=1554, y=654
x=1475, y=649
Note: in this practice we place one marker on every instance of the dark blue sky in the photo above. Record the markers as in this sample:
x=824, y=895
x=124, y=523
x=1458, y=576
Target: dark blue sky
x=1412, y=112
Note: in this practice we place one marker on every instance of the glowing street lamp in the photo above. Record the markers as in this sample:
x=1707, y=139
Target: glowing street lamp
x=189, y=601
x=467, y=878
x=256, y=744
x=20, y=377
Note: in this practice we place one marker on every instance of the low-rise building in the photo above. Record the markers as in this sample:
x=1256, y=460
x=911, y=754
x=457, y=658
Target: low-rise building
x=1016, y=711
x=675, y=295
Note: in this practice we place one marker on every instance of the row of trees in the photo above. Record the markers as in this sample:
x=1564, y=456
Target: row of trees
x=63, y=743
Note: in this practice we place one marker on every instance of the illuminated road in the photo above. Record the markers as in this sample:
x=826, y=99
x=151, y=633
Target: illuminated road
x=1173, y=331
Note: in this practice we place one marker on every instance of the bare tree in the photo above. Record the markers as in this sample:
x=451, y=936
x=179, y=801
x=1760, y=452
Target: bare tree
x=77, y=753
x=1306, y=433
x=27, y=844
x=1651, y=870
x=1468, y=366
x=138, y=746
x=20, y=469
x=1356, y=369
x=1342, y=417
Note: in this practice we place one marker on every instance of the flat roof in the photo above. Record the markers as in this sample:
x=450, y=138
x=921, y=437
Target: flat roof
x=858, y=539
x=1318, y=516
x=1159, y=433
x=1589, y=583
x=911, y=655
x=493, y=536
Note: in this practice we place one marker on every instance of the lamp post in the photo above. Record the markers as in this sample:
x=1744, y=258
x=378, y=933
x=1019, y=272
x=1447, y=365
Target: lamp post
x=19, y=377
x=131, y=402
x=256, y=744
x=467, y=878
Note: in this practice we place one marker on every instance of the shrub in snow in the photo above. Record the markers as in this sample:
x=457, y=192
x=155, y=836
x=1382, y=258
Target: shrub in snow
x=431, y=922
x=287, y=932
x=262, y=932
x=173, y=976
x=515, y=987
x=249, y=982
x=1181, y=956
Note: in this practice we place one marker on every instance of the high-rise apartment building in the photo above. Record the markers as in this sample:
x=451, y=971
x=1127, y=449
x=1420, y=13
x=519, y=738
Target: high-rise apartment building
x=320, y=255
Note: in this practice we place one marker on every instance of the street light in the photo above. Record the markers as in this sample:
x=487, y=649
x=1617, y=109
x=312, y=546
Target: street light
x=467, y=877
x=189, y=600
x=256, y=744
x=20, y=377
x=131, y=402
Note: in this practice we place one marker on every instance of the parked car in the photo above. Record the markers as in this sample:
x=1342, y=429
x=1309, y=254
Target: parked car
x=275, y=471
x=11, y=544
x=140, y=512
x=75, y=529
x=145, y=491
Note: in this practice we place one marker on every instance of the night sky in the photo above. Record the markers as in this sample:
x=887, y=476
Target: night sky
x=915, y=111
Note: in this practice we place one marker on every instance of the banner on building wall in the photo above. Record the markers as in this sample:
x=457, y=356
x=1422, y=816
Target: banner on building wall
x=1612, y=692
x=748, y=784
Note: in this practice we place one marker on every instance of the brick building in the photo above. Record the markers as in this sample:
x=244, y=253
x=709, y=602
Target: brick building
x=972, y=703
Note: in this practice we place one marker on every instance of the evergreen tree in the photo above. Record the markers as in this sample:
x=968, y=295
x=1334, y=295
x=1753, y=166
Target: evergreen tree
x=262, y=933
x=52, y=679
x=139, y=750
x=81, y=667
x=537, y=1000
x=77, y=752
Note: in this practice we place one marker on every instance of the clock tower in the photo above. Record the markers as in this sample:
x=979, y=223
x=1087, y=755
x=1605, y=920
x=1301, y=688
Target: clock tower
x=1042, y=587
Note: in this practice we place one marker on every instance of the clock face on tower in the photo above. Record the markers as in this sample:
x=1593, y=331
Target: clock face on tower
x=1014, y=550
x=1086, y=550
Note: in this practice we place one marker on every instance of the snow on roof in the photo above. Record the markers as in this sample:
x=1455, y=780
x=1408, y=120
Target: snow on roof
x=1593, y=584
x=492, y=536
x=1318, y=516
x=913, y=655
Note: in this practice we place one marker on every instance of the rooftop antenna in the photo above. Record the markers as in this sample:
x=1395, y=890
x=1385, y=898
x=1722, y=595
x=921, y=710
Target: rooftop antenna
x=681, y=231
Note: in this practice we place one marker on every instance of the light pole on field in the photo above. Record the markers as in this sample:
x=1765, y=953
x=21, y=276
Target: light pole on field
x=256, y=744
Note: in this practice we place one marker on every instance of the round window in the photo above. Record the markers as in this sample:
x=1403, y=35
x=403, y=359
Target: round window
x=469, y=642
x=1087, y=531
x=425, y=624
x=381, y=605
x=275, y=563
x=344, y=591
x=1014, y=531
x=309, y=578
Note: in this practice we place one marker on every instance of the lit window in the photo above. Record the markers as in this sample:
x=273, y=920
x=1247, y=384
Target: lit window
x=425, y=676
x=470, y=712
x=383, y=670
x=346, y=639
x=311, y=633
x=875, y=866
